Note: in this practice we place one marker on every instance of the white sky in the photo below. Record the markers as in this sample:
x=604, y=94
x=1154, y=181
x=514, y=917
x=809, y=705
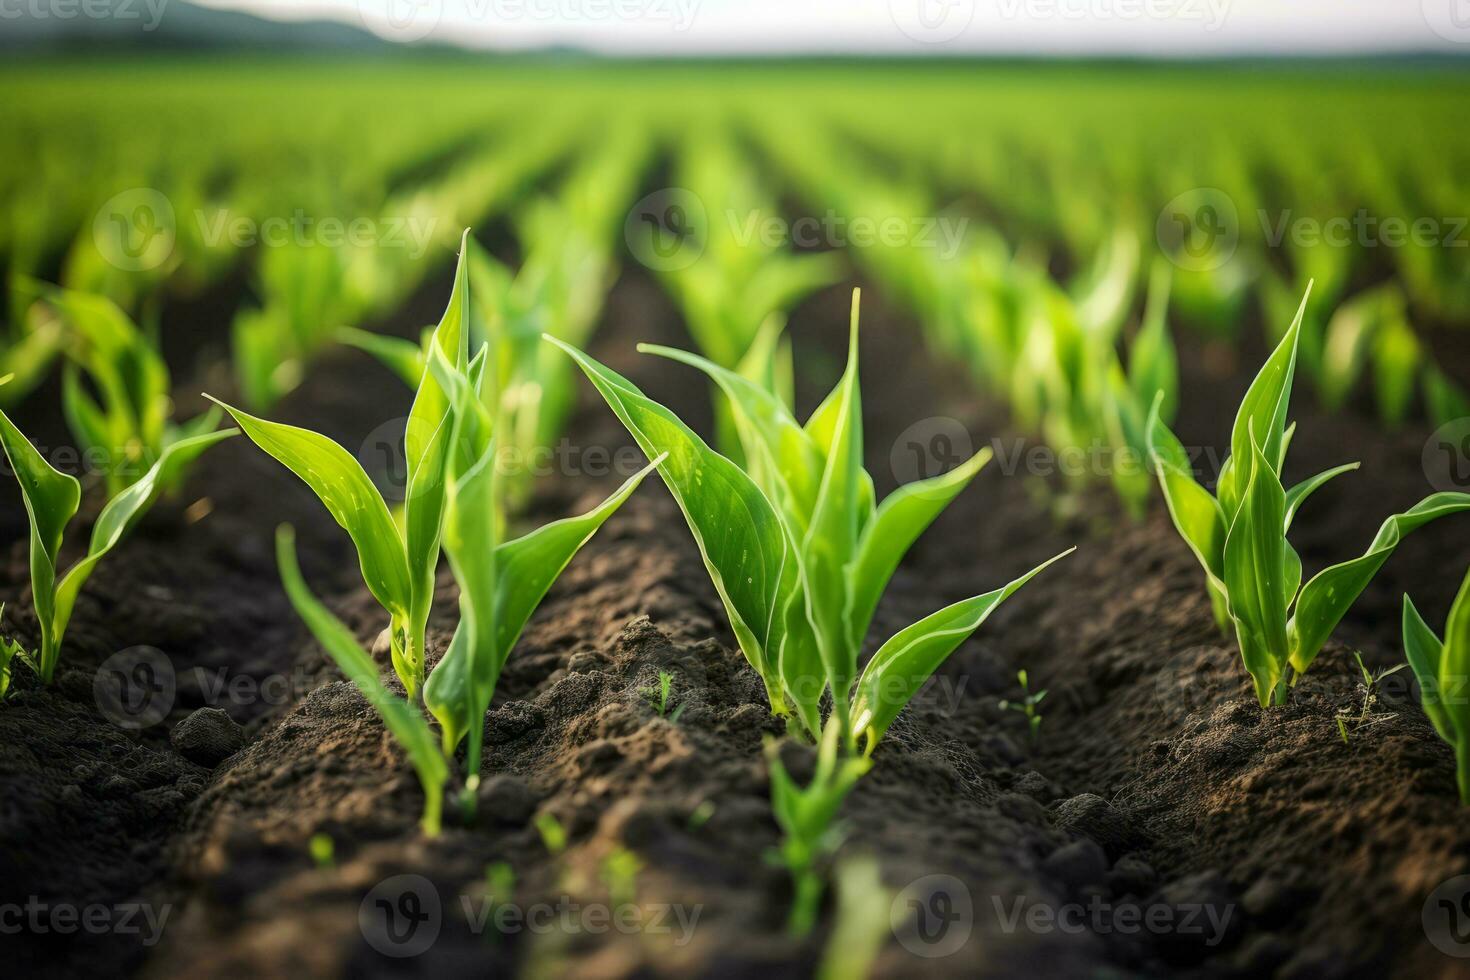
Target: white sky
x=1167, y=27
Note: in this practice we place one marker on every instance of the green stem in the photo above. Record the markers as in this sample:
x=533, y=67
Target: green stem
x=1462, y=769
x=805, y=903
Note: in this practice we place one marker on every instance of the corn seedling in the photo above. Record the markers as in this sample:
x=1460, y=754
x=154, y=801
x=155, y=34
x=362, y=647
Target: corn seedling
x=1441, y=667
x=796, y=547
x=51, y=501
x=1238, y=534
x=1027, y=706
x=397, y=565
x=452, y=501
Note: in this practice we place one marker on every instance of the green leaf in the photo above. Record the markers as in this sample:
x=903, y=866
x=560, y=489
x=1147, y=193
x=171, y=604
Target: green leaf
x=1299, y=493
x=1195, y=513
x=1425, y=654
x=1326, y=598
x=51, y=500
x=899, y=521
x=407, y=726
x=779, y=455
x=338, y=479
x=1454, y=677
x=909, y=658
x=831, y=540
x=738, y=532
x=1256, y=576
x=403, y=357
x=529, y=565
x=1263, y=410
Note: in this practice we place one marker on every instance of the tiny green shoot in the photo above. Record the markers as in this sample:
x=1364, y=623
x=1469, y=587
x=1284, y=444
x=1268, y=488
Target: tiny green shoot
x=553, y=834
x=659, y=696
x=323, y=850
x=1027, y=706
x=619, y=872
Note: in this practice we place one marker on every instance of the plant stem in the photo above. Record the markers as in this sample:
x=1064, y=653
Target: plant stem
x=1462, y=769
x=804, y=903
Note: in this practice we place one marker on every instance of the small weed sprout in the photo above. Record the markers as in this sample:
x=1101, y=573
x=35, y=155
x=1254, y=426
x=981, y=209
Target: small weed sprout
x=1370, y=681
x=619, y=872
x=323, y=850
x=700, y=815
x=553, y=834
x=659, y=696
x=1027, y=706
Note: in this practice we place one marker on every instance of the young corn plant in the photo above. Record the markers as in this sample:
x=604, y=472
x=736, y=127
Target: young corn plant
x=397, y=564
x=799, y=552
x=127, y=426
x=501, y=580
x=1238, y=534
x=797, y=547
x=1441, y=667
x=51, y=501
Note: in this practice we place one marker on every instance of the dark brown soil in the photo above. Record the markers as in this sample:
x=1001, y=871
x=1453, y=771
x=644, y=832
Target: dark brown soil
x=1259, y=842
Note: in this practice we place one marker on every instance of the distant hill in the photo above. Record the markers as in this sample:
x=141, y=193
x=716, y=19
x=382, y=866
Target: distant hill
x=142, y=25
